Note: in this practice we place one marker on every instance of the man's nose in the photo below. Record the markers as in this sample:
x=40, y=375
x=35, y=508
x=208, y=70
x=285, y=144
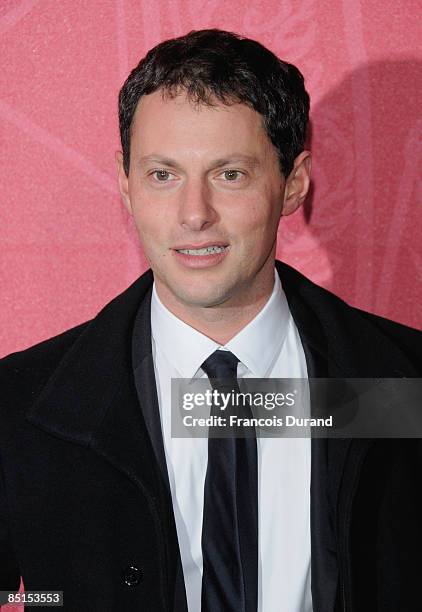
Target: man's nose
x=196, y=211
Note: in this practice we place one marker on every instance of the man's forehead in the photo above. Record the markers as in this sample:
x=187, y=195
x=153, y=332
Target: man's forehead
x=168, y=130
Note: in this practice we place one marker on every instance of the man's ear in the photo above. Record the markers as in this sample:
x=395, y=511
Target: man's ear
x=123, y=182
x=297, y=183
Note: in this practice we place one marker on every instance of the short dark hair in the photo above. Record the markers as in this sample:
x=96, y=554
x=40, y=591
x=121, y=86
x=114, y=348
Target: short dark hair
x=214, y=65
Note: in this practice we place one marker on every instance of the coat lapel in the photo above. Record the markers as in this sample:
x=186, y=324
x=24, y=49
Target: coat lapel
x=146, y=387
x=144, y=375
x=324, y=569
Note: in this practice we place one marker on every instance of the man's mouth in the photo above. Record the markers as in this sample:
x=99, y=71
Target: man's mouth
x=209, y=250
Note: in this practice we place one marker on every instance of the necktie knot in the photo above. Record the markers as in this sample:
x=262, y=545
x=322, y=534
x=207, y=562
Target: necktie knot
x=221, y=365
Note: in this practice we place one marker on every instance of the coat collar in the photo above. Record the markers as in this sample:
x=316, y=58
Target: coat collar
x=91, y=398
x=343, y=337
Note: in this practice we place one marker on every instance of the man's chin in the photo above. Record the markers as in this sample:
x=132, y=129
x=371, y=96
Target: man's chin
x=194, y=290
x=201, y=300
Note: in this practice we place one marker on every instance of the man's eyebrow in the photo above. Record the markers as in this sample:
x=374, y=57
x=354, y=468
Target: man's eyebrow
x=250, y=160
x=159, y=159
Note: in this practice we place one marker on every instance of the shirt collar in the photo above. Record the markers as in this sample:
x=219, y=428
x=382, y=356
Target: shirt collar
x=257, y=345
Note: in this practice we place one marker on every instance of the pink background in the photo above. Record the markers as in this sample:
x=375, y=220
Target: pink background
x=67, y=245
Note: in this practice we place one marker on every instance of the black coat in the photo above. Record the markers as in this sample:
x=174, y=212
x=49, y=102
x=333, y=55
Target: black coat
x=85, y=505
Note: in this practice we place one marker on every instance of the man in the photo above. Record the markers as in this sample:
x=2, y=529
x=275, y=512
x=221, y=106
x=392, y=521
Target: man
x=97, y=499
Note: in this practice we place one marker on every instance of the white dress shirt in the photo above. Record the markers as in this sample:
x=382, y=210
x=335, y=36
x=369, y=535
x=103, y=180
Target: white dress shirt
x=268, y=347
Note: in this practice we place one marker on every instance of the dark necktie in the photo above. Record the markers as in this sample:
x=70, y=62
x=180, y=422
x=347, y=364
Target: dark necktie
x=230, y=523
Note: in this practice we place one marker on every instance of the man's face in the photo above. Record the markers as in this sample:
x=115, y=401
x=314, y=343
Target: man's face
x=203, y=177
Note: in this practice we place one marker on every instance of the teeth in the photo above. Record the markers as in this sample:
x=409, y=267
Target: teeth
x=207, y=251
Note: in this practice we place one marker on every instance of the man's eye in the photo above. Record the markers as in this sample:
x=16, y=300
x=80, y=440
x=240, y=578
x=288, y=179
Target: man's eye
x=231, y=175
x=162, y=175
